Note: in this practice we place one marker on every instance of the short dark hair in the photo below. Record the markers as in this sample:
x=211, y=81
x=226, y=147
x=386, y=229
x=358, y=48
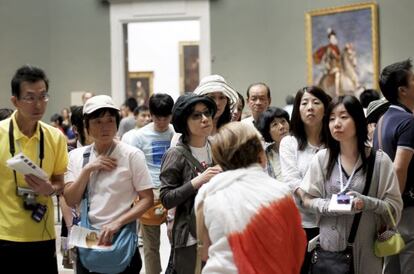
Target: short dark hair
x=297, y=126
x=27, y=73
x=57, y=118
x=392, y=77
x=266, y=118
x=290, y=99
x=354, y=108
x=99, y=113
x=76, y=119
x=367, y=96
x=140, y=109
x=258, y=84
x=5, y=113
x=131, y=103
x=161, y=104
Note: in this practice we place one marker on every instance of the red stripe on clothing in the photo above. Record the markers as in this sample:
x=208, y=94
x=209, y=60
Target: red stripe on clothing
x=273, y=242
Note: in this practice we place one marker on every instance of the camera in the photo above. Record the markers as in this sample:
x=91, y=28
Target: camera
x=29, y=197
x=30, y=203
x=343, y=199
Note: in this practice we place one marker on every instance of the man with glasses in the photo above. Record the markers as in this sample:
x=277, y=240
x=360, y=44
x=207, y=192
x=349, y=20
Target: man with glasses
x=27, y=232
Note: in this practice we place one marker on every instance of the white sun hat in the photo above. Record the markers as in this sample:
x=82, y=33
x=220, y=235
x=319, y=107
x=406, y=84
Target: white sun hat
x=216, y=83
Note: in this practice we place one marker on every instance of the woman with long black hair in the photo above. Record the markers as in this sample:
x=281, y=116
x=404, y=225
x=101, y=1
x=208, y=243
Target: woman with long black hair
x=341, y=169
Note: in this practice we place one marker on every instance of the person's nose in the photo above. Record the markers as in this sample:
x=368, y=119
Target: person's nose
x=37, y=102
x=204, y=117
x=337, y=123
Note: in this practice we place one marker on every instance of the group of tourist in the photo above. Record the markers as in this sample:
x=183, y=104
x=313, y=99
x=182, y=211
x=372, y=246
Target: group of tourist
x=253, y=195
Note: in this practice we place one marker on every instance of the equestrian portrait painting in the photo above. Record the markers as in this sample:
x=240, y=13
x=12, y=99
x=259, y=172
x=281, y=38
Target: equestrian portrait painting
x=342, y=48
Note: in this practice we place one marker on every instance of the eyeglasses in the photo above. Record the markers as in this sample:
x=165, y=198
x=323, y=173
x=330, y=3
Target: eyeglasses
x=197, y=115
x=30, y=99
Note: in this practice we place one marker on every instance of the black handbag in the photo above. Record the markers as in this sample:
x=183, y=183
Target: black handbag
x=341, y=262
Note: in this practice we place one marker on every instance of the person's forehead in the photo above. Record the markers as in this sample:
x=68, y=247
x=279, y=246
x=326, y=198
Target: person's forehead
x=308, y=95
x=258, y=90
x=33, y=87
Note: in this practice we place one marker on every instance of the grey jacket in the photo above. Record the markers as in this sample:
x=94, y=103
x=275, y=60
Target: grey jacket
x=177, y=191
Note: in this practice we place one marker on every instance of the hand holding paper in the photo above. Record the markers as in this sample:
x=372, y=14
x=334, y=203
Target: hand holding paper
x=83, y=237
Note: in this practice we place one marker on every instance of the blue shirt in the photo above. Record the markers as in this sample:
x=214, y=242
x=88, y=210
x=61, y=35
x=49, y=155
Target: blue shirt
x=397, y=131
x=154, y=144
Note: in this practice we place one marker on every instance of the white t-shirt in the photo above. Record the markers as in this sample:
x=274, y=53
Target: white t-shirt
x=202, y=154
x=111, y=193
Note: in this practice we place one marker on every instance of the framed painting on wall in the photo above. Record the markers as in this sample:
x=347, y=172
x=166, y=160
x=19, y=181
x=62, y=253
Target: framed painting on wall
x=189, y=66
x=140, y=86
x=342, y=48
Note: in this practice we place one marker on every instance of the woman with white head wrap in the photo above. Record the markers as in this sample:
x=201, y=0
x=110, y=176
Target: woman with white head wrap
x=225, y=97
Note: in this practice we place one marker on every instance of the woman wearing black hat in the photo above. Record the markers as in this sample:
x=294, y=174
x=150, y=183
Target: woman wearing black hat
x=185, y=168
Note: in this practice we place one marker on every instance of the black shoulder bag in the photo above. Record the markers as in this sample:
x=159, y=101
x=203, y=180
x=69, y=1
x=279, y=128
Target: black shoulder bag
x=341, y=262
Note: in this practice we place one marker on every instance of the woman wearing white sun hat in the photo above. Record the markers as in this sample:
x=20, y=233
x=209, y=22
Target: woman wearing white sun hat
x=225, y=97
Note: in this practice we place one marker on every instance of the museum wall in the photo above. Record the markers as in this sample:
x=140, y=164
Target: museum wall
x=250, y=41
x=264, y=40
x=69, y=39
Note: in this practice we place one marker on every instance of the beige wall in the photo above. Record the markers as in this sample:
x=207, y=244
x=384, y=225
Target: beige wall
x=265, y=40
x=251, y=41
x=69, y=39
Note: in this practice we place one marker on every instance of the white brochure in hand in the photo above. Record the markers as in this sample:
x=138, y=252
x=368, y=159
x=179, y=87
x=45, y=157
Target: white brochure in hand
x=22, y=164
x=313, y=243
x=83, y=237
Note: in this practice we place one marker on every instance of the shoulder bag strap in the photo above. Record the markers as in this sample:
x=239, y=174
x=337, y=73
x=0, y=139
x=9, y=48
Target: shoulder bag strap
x=85, y=202
x=357, y=217
x=379, y=125
x=190, y=158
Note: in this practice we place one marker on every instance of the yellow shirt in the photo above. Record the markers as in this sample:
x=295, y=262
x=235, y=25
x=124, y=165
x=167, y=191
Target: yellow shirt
x=16, y=223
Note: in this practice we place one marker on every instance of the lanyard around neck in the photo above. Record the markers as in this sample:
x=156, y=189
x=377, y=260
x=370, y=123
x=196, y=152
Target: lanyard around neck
x=341, y=180
x=12, y=148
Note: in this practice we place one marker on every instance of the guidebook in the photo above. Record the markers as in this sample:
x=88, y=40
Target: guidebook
x=87, y=238
x=22, y=164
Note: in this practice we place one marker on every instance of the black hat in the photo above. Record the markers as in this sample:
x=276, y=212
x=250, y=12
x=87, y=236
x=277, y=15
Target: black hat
x=183, y=108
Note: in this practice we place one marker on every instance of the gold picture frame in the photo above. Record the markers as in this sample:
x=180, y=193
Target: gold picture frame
x=350, y=65
x=140, y=85
x=189, y=53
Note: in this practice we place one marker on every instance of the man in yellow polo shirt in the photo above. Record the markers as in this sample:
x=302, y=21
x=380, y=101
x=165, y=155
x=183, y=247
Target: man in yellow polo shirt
x=27, y=233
